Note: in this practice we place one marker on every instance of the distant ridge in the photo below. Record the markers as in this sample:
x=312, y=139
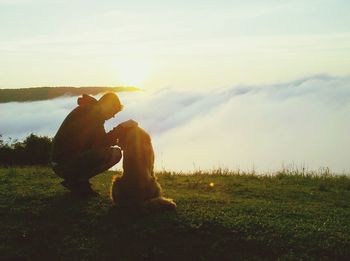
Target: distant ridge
x=48, y=93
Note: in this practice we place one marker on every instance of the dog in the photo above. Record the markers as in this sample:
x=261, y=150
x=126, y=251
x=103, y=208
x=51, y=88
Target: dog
x=137, y=188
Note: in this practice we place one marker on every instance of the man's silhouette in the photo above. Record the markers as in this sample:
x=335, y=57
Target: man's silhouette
x=81, y=147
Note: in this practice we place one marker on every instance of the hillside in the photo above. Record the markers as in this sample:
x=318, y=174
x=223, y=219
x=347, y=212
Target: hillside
x=47, y=93
x=219, y=217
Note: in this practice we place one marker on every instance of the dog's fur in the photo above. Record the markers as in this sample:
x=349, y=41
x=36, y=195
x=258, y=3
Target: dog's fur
x=137, y=188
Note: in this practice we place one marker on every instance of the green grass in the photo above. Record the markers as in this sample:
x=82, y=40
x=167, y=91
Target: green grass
x=248, y=217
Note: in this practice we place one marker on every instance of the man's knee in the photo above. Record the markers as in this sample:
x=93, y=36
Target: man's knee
x=89, y=163
x=64, y=170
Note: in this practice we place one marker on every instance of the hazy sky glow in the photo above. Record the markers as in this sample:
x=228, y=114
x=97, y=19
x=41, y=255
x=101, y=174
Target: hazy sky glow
x=184, y=44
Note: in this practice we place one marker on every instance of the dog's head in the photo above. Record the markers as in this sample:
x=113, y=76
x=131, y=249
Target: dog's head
x=130, y=135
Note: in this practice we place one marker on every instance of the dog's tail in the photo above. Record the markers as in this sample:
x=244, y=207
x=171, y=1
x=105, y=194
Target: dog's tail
x=159, y=203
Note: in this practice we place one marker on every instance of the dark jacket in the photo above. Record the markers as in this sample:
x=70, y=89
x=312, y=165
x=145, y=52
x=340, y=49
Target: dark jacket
x=81, y=130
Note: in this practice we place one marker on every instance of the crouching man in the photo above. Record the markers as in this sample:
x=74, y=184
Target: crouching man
x=81, y=147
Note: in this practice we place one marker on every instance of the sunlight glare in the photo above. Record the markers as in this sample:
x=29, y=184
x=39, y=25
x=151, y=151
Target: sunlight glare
x=132, y=72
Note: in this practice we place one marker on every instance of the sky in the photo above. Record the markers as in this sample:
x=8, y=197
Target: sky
x=182, y=44
x=256, y=84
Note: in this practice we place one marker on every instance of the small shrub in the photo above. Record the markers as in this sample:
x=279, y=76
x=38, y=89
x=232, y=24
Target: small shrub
x=34, y=150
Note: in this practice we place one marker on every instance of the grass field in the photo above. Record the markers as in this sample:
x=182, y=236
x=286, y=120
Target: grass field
x=238, y=216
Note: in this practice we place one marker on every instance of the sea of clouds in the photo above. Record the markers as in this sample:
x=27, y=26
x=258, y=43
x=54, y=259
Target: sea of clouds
x=305, y=123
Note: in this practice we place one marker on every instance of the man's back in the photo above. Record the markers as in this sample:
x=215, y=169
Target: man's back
x=79, y=130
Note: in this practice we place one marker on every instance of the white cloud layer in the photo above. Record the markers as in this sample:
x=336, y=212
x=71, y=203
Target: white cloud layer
x=304, y=122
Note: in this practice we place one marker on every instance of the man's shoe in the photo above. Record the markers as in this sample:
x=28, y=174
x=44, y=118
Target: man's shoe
x=80, y=188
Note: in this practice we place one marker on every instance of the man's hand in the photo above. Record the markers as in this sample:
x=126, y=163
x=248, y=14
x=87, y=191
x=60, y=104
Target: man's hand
x=112, y=137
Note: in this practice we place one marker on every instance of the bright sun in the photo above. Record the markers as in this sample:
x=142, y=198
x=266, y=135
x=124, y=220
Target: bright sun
x=132, y=72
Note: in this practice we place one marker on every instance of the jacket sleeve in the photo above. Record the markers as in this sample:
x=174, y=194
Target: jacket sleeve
x=99, y=136
x=103, y=139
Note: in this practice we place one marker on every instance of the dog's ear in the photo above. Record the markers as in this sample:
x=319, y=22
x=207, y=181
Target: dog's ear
x=119, y=131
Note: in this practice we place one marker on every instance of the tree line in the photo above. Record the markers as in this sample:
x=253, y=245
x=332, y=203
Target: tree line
x=48, y=93
x=33, y=150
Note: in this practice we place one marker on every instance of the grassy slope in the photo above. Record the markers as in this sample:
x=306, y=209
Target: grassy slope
x=284, y=217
